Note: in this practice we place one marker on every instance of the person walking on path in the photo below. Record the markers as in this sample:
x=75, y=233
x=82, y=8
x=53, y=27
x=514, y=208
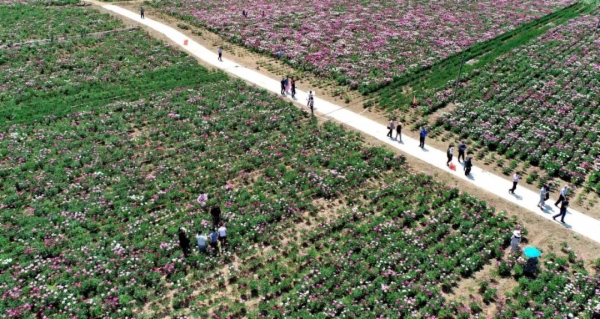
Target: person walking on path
x=222, y=235
x=563, y=210
x=142, y=10
x=201, y=239
x=282, y=86
x=547, y=188
x=562, y=196
x=468, y=165
x=422, y=134
x=542, y=202
x=287, y=85
x=311, y=103
x=184, y=241
x=399, y=131
x=215, y=212
x=450, y=153
x=515, y=240
x=391, y=128
x=214, y=241
x=220, y=51
x=293, y=83
x=462, y=147
x=516, y=178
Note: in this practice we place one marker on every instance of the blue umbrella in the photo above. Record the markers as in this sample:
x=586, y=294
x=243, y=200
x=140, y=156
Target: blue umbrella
x=532, y=252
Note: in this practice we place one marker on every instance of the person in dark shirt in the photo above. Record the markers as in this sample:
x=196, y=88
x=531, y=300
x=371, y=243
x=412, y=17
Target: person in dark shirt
x=215, y=212
x=563, y=210
x=184, y=242
x=282, y=86
x=468, y=165
x=462, y=147
x=142, y=12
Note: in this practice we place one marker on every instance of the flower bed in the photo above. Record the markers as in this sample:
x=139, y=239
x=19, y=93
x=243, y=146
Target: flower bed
x=362, y=44
x=537, y=104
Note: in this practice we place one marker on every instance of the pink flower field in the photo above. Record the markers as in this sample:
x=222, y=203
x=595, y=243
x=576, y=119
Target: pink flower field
x=361, y=43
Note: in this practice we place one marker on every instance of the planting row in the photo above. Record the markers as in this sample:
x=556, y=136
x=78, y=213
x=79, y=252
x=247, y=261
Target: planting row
x=364, y=44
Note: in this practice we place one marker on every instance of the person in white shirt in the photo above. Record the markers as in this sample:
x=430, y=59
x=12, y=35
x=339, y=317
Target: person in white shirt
x=562, y=196
x=542, y=202
x=516, y=178
x=450, y=153
x=201, y=238
x=222, y=235
x=515, y=240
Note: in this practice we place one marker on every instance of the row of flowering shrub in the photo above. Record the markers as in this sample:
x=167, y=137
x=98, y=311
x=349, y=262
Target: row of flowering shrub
x=365, y=43
x=538, y=103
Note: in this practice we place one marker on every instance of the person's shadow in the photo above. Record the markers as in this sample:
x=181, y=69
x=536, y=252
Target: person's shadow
x=547, y=209
x=424, y=149
x=518, y=197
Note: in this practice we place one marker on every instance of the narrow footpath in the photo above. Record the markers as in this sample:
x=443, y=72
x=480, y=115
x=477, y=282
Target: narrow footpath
x=575, y=221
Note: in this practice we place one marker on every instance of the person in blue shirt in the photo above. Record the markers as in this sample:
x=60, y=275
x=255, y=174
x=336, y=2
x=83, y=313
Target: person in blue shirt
x=214, y=241
x=422, y=136
x=462, y=147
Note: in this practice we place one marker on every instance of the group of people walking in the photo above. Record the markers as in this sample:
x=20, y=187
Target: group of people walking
x=212, y=238
x=462, y=148
x=397, y=127
x=288, y=85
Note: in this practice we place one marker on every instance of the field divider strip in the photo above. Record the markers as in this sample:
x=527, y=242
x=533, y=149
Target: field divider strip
x=575, y=221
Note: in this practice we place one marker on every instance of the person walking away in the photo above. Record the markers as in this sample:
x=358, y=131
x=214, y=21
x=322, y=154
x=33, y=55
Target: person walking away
x=201, y=239
x=222, y=235
x=184, y=241
x=515, y=240
x=542, y=202
x=142, y=10
x=391, y=128
x=311, y=103
x=282, y=86
x=399, y=131
x=214, y=241
x=562, y=196
x=449, y=153
x=215, y=212
x=516, y=178
x=563, y=210
x=468, y=165
x=293, y=88
x=422, y=134
x=220, y=51
x=462, y=147
x=547, y=188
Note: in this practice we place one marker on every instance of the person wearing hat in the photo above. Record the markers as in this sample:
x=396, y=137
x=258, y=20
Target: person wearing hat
x=184, y=241
x=515, y=240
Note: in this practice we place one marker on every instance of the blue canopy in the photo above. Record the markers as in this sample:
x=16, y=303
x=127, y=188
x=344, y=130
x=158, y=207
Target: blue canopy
x=532, y=252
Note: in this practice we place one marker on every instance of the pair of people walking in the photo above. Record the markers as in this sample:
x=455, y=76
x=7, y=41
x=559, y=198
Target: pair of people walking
x=398, y=128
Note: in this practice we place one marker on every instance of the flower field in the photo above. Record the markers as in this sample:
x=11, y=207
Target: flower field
x=106, y=143
x=31, y=22
x=538, y=103
x=364, y=44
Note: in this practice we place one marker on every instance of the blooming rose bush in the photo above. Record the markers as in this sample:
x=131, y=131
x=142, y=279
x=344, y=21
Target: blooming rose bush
x=363, y=43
